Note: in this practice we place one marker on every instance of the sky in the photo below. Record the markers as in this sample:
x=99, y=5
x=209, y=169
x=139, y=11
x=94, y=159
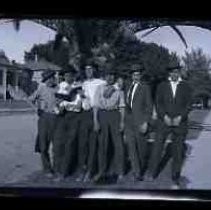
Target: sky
x=195, y=37
x=15, y=43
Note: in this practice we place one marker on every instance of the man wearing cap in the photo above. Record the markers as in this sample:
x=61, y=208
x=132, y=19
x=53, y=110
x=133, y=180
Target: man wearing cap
x=68, y=125
x=110, y=101
x=138, y=115
x=45, y=97
x=87, y=135
x=173, y=99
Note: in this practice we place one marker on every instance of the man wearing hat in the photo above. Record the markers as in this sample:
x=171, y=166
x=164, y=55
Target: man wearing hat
x=87, y=135
x=138, y=115
x=45, y=98
x=173, y=99
x=110, y=101
x=68, y=124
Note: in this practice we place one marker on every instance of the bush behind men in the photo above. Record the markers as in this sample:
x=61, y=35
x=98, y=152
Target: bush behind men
x=100, y=112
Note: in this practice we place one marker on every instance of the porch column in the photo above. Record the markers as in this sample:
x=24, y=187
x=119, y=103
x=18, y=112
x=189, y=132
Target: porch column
x=4, y=84
x=16, y=78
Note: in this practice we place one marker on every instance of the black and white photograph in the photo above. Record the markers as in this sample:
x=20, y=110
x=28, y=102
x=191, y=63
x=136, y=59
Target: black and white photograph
x=112, y=104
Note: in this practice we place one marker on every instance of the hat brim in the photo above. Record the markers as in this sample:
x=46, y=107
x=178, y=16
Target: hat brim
x=137, y=70
x=174, y=68
x=69, y=72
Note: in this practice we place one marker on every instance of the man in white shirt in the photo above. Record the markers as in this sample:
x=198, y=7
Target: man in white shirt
x=87, y=135
x=109, y=117
x=173, y=99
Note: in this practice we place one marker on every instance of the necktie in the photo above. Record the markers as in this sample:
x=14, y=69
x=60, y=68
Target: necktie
x=130, y=94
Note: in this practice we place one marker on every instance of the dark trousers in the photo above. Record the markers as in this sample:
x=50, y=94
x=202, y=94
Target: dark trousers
x=87, y=142
x=109, y=126
x=59, y=144
x=177, y=148
x=137, y=146
x=46, y=127
x=64, y=139
x=168, y=155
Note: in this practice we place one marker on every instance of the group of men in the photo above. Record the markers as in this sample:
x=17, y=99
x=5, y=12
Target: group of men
x=98, y=124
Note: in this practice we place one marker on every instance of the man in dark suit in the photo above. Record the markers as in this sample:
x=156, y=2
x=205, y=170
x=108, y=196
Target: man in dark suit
x=173, y=100
x=138, y=115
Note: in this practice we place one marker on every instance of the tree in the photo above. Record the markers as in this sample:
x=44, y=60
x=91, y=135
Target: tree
x=196, y=60
x=59, y=57
x=197, y=65
x=85, y=34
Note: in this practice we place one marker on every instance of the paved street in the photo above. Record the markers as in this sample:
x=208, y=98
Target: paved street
x=17, y=159
x=20, y=166
x=197, y=167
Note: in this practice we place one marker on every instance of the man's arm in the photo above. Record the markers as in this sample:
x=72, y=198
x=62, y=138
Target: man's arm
x=187, y=101
x=148, y=104
x=95, y=119
x=97, y=101
x=143, y=108
x=73, y=104
x=122, y=110
x=160, y=104
x=34, y=97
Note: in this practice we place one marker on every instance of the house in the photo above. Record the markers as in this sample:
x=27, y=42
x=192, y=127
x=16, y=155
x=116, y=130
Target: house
x=9, y=75
x=17, y=79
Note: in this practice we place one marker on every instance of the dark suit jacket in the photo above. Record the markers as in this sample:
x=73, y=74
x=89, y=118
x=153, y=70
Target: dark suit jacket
x=166, y=104
x=142, y=104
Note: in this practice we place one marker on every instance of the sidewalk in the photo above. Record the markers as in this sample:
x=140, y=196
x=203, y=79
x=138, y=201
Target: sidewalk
x=7, y=107
x=24, y=171
x=198, y=165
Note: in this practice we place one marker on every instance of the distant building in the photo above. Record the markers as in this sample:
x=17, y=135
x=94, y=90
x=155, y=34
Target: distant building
x=9, y=74
x=18, y=79
x=38, y=66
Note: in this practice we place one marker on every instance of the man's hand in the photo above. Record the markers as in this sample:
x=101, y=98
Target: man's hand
x=82, y=93
x=143, y=127
x=96, y=126
x=121, y=126
x=108, y=92
x=40, y=112
x=177, y=120
x=61, y=109
x=167, y=120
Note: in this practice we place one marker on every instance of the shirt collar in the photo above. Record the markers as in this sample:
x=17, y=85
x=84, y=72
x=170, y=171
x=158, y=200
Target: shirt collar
x=135, y=83
x=178, y=81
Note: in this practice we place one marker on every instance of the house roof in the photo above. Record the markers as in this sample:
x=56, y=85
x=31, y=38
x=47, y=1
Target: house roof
x=3, y=58
x=41, y=65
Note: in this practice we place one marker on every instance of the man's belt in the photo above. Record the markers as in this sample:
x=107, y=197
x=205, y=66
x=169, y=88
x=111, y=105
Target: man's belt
x=108, y=110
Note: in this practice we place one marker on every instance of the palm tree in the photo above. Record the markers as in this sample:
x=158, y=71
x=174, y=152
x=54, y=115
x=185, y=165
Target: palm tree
x=96, y=38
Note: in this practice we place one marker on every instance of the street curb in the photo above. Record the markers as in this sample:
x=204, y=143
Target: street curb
x=13, y=111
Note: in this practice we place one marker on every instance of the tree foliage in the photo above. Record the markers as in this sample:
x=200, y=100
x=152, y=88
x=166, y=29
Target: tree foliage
x=197, y=65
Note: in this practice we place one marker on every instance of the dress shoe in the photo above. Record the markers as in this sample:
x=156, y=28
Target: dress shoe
x=80, y=178
x=149, y=178
x=135, y=177
x=49, y=175
x=120, y=178
x=175, y=186
x=59, y=178
x=97, y=177
x=87, y=177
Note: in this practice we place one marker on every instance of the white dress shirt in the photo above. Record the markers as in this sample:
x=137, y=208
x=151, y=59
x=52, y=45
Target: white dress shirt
x=73, y=106
x=63, y=88
x=90, y=87
x=133, y=93
x=174, y=86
